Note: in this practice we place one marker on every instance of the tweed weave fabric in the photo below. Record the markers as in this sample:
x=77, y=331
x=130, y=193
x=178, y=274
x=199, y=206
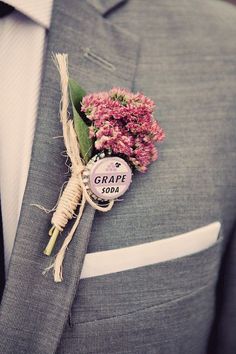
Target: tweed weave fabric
x=182, y=54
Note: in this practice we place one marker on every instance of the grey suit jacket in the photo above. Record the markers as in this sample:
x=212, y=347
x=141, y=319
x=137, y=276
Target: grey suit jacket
x=182, y=54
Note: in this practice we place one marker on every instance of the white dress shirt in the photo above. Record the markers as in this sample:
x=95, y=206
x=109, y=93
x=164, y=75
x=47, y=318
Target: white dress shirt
x=22, y=42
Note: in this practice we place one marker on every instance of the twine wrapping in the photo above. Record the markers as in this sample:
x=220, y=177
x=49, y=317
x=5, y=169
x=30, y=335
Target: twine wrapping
x=75, y=192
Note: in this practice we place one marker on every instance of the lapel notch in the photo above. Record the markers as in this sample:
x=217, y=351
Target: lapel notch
x=106, y=6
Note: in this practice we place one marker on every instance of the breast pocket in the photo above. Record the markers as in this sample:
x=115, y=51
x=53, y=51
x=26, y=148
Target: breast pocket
x=165, y=307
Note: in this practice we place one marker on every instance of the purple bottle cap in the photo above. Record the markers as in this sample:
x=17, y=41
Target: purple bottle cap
x=110, y=177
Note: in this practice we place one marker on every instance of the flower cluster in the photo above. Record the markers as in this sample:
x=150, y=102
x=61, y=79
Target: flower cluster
x=123, y=123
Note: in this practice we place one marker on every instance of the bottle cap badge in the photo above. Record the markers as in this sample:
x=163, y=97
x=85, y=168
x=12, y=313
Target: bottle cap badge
x=108, y=177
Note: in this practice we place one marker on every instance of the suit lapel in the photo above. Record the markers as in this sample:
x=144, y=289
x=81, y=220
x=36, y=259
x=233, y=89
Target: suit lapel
x=34, y=309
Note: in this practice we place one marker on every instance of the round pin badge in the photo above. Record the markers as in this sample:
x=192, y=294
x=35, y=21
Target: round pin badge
x=107, y=178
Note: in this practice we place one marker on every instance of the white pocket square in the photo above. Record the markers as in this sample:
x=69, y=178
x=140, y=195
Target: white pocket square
x=116, y=260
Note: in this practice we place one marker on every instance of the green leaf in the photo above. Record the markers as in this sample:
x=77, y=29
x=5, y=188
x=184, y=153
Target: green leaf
x=76, y=94
x=82, y=130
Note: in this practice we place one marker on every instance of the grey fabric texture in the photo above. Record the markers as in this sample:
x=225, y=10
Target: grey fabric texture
x=182, y=54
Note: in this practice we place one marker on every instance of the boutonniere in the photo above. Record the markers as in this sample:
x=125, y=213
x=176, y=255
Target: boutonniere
x=111, y=135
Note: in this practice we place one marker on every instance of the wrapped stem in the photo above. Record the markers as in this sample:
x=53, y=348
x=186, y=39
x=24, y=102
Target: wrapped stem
x=65, y=210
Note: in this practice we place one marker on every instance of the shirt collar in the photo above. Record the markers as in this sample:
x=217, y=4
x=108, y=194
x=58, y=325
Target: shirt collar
x=38, y=11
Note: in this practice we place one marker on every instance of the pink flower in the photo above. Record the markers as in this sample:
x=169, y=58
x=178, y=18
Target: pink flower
x=123, y=122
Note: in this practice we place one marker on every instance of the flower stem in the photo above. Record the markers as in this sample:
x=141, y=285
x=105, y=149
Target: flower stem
x=51, y=243
x=50, y=232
